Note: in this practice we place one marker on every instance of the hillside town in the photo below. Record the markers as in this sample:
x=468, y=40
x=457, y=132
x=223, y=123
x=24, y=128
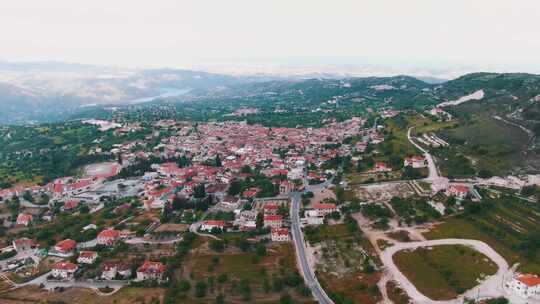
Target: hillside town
x=216, y=179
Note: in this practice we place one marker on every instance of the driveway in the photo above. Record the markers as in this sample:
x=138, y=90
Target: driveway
x=491, y=287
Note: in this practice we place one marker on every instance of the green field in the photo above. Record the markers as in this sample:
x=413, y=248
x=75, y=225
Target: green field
x=438, y=272
x=489, y=144
x=509, y=226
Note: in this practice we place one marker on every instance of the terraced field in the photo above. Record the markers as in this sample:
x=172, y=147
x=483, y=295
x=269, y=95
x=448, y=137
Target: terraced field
x=509, y=225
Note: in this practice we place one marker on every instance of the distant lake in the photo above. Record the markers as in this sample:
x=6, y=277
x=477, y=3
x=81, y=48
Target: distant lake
x=166, y=92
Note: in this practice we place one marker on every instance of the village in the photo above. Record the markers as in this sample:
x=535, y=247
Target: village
x=214, y=179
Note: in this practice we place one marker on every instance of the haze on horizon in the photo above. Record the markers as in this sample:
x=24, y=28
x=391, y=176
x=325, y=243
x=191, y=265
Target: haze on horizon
x=497, y=35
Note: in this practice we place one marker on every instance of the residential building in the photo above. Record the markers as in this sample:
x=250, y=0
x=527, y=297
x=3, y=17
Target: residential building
x=417, y=161
x=324, y=209
x=24, y=219
x=23, y=244
x=211, y=224
x=382, y=167
x=526, y=286
x=87, y=257
x=151, y=271
x=459, y=191
x=64, y=248
x=273, y=221
x=64, y=270
x=280, y=235
x=108, y=237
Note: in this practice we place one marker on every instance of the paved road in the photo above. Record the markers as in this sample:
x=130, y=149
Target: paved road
x=140, y=240
x=492, y=287
x=433, y=172
x=298, y=238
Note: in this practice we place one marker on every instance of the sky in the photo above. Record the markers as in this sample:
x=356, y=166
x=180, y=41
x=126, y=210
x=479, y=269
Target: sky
x=492, y=34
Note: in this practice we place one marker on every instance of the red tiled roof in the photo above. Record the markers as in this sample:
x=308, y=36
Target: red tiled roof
x=109, y=233
x=71, y=204
x=280, y=231
x=154, y=267
x=65, y=266
x=271, y=206
x=66, y=245
x=529, y=280
x=324, y=206
x=272, y=218
x=460, y=188
x=215, y=223
x=87, y=254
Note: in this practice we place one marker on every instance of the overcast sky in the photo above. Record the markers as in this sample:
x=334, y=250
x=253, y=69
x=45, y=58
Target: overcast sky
x=180, y=33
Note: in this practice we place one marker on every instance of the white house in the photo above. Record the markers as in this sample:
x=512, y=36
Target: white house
x=526, y=286
x=23, y=244
x=108, y=270
x=209, y=225
x=64, y=270
x=87, y=257
x=324, y=209
x=417, y=161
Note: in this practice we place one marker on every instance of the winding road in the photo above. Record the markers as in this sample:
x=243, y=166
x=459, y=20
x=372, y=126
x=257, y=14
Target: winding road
x=490, y=288
x=299, y=242
x=433, y=171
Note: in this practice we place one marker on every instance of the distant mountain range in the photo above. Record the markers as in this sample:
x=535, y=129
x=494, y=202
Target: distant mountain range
x=48, y=91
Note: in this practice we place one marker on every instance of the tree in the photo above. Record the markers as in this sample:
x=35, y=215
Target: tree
x=199, y=191
x=200, y=289
x=217, y=245
x=235, y=188
x=184, y=285
x=28, y=196
x=222, y=278
x=259, y=221
x=218, y=161
x=286, y=299
x=260, y=249
x=220, y=299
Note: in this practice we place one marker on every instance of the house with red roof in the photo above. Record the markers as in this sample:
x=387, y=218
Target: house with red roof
x=64, y=270
x=108, y=237
x=324, y=209
x=211, y=224
x=64, y=248
x=71, y=205
x=151, y=271
x=271, y=208
x=23, y=244
x=280, y=235
x=458, y=190
x=87, y=257
x=251, y=192
x=80, y=186
x=416, y=161
x=285, y=187
x=382, y=167
x=24, y=219
x=273, y=221
x=526, y=286
x=111, y=270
